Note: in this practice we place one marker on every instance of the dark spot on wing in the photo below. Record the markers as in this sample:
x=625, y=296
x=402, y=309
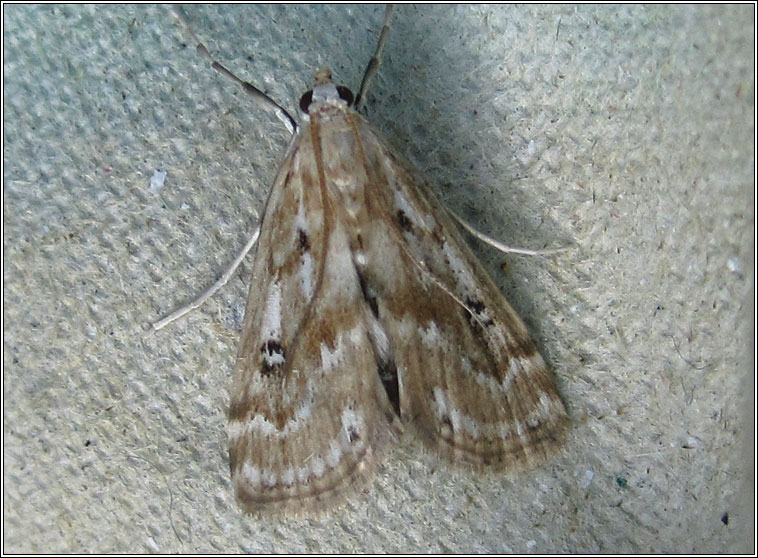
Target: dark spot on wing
x=388, y=375
x=274, y=357
x=445, y=419
x=477, y=308
x=404, y=222
x=353, y=435
x=386, y=367
x=368, y=294
x=302, y=241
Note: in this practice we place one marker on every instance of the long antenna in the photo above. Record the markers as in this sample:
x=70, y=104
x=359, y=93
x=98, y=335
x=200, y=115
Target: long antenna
x=376, y=60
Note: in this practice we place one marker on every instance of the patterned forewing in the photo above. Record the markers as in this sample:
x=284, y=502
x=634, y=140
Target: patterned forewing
x=469, y=376
x=308, y=412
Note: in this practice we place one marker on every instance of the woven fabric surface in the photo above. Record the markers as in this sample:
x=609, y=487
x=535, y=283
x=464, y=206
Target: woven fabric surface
x=623, y=132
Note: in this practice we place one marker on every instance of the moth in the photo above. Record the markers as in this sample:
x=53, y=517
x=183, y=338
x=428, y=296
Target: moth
x=368, y=315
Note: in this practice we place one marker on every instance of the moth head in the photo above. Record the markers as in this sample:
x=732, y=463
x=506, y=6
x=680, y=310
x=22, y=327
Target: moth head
x=324, y=92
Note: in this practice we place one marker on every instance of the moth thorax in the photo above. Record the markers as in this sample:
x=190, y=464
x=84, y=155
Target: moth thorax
x=325, y=92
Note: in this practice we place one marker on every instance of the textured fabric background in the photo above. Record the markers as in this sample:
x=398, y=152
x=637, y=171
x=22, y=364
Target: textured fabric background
x=624, y=132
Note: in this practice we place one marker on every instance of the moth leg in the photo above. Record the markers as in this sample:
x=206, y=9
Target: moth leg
x=499, y=245
x=376, y=60
x=223, y=280
x=247, y=87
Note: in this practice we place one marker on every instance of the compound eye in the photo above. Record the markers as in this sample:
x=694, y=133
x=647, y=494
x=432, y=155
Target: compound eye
x=345, y=94
x=305, y=101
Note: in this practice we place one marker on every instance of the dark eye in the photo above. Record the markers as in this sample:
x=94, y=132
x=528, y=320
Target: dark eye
x=345, y=94
x=305, y=101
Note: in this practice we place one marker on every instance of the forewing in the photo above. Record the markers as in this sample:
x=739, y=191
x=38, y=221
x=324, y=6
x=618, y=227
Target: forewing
x=468, y=375
x=308, y=412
